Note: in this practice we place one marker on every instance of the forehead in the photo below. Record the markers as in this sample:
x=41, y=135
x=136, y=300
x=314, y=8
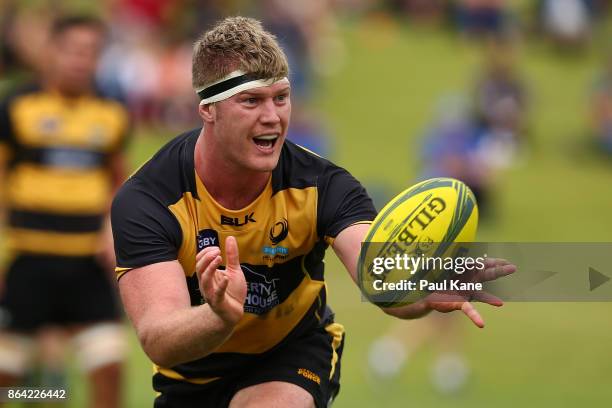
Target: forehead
x=267, y=90
x=78, y=33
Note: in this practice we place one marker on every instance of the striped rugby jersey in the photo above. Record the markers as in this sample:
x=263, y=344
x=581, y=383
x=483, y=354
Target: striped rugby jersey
x=164, y=213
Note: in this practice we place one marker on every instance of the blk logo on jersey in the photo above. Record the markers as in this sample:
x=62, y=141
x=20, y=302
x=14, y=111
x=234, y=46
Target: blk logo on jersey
x=237, y=222
x=279, y=231
x=207, y=238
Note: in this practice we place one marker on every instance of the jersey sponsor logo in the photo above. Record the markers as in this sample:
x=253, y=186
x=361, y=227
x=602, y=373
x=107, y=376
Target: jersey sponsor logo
x=261, y=291
x=279, y=231
x=273, y=251
x=204, y=239
x=207, y=238
x=237, y=222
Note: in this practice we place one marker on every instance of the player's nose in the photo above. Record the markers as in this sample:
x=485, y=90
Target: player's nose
x=269, y=112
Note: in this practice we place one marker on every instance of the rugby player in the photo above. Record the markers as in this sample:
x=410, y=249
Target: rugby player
x=61, y=151
x=220, y=240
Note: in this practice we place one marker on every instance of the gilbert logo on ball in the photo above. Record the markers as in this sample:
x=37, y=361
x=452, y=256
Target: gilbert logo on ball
x=412, y=239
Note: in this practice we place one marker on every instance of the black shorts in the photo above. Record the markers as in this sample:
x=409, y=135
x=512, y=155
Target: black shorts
x=311, y=362
x=42, y=290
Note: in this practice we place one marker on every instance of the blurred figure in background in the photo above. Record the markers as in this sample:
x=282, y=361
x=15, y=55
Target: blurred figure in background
x=474, y=140
x=9, y=61
x=148, y=46
x=306, y=32
x=451, y=149
x=501, y=105
x=21, y=37
x=422, y=11
x=601, y=108
x=61, y=151
x=567, y=22
x=391, y=353
x=478, y=18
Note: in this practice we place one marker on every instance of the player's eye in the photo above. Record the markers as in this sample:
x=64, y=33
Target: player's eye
x=250, y=101
x=282, y=98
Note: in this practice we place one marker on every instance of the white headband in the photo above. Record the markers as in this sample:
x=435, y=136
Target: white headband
x=231, y=85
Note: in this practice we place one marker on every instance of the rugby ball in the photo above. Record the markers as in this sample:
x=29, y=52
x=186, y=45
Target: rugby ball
x=431, y=219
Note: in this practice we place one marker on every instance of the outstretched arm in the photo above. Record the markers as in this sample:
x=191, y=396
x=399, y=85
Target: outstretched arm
x=347, y=246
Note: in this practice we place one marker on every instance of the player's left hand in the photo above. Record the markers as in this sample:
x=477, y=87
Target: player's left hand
x=448, y=301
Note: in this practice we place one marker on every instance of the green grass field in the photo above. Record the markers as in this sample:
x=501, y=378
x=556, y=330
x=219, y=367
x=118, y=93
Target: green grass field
x=376, y=106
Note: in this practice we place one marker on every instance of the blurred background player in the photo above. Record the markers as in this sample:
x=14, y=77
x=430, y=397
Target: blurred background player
x=61, y=149
x=601, y=108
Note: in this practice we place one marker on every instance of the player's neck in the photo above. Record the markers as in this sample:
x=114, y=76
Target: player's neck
x=232, y=187
x=65, y=90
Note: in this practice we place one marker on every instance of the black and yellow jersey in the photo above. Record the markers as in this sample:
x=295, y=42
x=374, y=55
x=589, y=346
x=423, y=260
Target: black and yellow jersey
x=164, y=212
x=56, y=151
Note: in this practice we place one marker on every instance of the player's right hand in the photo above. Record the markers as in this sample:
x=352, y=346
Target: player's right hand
x=448, y=301
x=224, y=290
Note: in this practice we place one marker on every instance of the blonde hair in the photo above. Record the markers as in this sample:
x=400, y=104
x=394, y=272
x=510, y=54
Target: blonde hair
x=237, y=43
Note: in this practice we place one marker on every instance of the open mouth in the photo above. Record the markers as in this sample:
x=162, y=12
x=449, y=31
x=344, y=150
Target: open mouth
x=265, y=142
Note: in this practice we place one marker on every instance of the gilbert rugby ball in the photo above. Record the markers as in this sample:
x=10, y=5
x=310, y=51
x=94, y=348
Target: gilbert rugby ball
x=428, y=219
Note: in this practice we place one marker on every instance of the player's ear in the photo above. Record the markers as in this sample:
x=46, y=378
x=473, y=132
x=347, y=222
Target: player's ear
x=207, y=112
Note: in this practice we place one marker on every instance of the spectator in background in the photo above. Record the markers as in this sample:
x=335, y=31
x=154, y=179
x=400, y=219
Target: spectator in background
x=601, y=108
x=478, y=18
x=61, y=158
x=289, y=24
x=501, y=106
x=303, y=32
x=451, y=149
x=148, y=46
x=424, y=11
x=482, y=17
x=567, y=22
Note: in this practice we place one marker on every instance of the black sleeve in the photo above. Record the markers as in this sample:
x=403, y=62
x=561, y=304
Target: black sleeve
x=144, y=230
x=342, y=201
x=6, y=128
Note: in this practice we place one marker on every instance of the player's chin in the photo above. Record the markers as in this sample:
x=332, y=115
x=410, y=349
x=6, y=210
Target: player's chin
x=267, y=165
x=265, y=161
